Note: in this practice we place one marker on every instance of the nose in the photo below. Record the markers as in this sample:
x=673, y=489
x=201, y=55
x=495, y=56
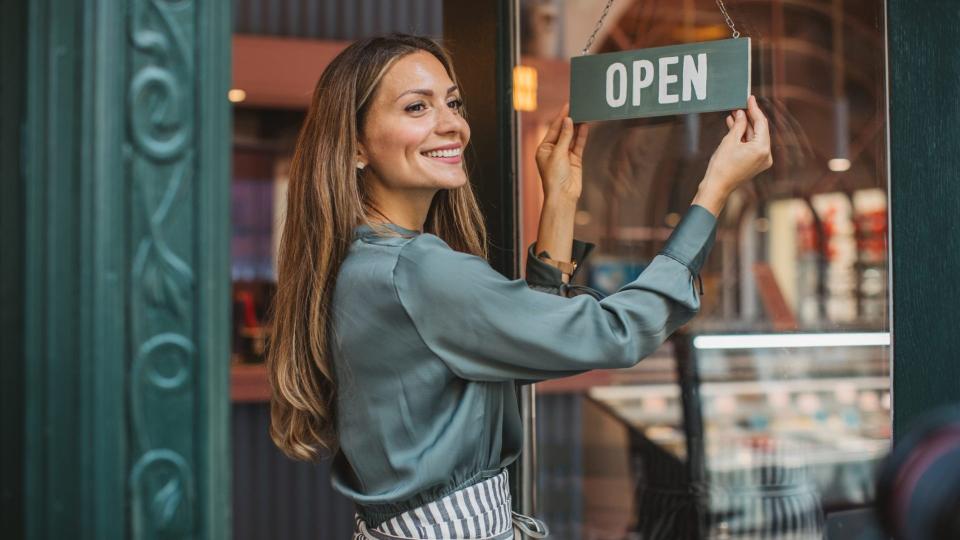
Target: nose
x=449, y=121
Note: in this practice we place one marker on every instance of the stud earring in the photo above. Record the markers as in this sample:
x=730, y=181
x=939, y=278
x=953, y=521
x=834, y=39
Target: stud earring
x=361, y=165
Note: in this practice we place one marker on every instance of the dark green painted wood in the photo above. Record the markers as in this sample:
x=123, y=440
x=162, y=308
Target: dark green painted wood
x=925, y=204
x=53, y=352
x=101, y=261
x=126, y=232
x=617, y=85
x=12, y=62
x=215, y=136
x=480, y=38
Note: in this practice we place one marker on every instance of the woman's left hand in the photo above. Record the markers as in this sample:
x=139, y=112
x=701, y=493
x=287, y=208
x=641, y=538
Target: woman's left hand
x=560, y=159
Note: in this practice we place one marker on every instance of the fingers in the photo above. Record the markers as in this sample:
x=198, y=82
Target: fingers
x=758, y=120
x=566, y=134
x=756, y=125
x=748, y=134
x=554, y=130
x=581, y=140
x=739, y=127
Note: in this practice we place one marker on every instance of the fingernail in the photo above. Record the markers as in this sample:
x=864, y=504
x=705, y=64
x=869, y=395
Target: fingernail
x=739, y=114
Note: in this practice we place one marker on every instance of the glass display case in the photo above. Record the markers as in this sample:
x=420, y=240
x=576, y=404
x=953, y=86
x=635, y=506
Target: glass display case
x=762, y=433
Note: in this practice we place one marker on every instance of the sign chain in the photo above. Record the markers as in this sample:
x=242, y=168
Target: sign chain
x=606, y=11
x=726, y=16
x=593, y=36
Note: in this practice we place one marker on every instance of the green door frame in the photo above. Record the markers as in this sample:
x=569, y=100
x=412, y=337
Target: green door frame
x=116, y=155
x=481, y=38
x=924, y=138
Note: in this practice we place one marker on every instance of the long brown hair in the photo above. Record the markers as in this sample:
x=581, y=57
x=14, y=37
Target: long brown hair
x=326, y=201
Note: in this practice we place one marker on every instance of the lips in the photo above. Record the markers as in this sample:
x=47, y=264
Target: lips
x=446, y=154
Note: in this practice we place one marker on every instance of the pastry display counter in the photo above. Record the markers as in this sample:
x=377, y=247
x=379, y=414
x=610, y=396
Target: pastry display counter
x=755, y=434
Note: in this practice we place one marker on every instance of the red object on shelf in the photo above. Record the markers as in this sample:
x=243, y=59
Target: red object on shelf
x=249, y=313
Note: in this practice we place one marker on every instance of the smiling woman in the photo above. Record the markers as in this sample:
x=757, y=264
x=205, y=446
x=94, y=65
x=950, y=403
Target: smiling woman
x=395, y=345
x=358, y=161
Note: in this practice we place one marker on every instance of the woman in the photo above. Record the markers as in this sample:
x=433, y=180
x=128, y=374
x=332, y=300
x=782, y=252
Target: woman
x=395, y=346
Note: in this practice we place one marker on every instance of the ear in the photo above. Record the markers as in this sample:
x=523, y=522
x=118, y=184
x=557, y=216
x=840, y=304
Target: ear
x=361, y=158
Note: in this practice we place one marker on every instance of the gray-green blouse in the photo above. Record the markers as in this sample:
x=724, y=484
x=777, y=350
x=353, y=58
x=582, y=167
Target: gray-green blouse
x=428, y=343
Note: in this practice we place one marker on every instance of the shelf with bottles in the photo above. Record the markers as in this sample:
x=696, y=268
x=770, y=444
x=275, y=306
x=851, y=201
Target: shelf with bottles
x=248, y=373
x=251, y=300
x=787, y=264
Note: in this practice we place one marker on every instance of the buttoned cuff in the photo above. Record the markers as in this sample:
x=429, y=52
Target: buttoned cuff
x=547, y=276
x=692, y=239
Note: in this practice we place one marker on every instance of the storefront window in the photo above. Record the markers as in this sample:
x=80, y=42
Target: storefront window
x=768, y=413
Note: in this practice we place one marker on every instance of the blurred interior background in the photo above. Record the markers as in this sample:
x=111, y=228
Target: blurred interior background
x=777, y=430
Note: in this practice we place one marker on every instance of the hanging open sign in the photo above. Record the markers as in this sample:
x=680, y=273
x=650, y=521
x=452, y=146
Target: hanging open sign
x=678, y=79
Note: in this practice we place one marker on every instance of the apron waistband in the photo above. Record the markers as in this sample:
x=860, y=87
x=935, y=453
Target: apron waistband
x=480, y=511
x=531, y=526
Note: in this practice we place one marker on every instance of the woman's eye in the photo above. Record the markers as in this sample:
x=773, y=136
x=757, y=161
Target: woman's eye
x=455, y=104
x=416, y=107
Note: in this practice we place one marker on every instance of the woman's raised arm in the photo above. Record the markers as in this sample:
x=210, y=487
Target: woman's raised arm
x=560, y=162
x=486, y=327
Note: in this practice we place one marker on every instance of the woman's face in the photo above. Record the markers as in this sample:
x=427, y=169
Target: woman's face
x=413, y=135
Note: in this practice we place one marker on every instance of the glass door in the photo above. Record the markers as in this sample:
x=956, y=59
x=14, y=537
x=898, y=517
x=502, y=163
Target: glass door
x=769, y=411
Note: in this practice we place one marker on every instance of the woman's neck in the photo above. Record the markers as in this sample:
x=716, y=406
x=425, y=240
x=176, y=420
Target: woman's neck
x=407, y=208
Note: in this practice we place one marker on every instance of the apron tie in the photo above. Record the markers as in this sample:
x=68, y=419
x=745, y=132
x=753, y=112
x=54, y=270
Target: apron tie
x=530, y=526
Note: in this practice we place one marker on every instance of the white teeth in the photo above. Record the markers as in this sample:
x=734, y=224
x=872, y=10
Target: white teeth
x=452, y=152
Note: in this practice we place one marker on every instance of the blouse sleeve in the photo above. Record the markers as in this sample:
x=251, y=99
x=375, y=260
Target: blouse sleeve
x=486, y=327
x=547, y=278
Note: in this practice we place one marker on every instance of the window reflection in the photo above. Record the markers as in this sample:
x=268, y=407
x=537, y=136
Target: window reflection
x=770, y=436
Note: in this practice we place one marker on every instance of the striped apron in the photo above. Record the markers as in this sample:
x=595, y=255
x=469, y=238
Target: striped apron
x=478, y=512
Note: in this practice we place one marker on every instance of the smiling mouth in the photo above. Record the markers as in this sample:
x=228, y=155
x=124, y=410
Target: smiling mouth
x=444, y=154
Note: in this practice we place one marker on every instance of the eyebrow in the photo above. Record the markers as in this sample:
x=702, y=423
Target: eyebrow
x=425, y=92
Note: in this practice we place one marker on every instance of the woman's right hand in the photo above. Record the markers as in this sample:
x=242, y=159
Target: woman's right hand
x=742, y=154
x=560, y=159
